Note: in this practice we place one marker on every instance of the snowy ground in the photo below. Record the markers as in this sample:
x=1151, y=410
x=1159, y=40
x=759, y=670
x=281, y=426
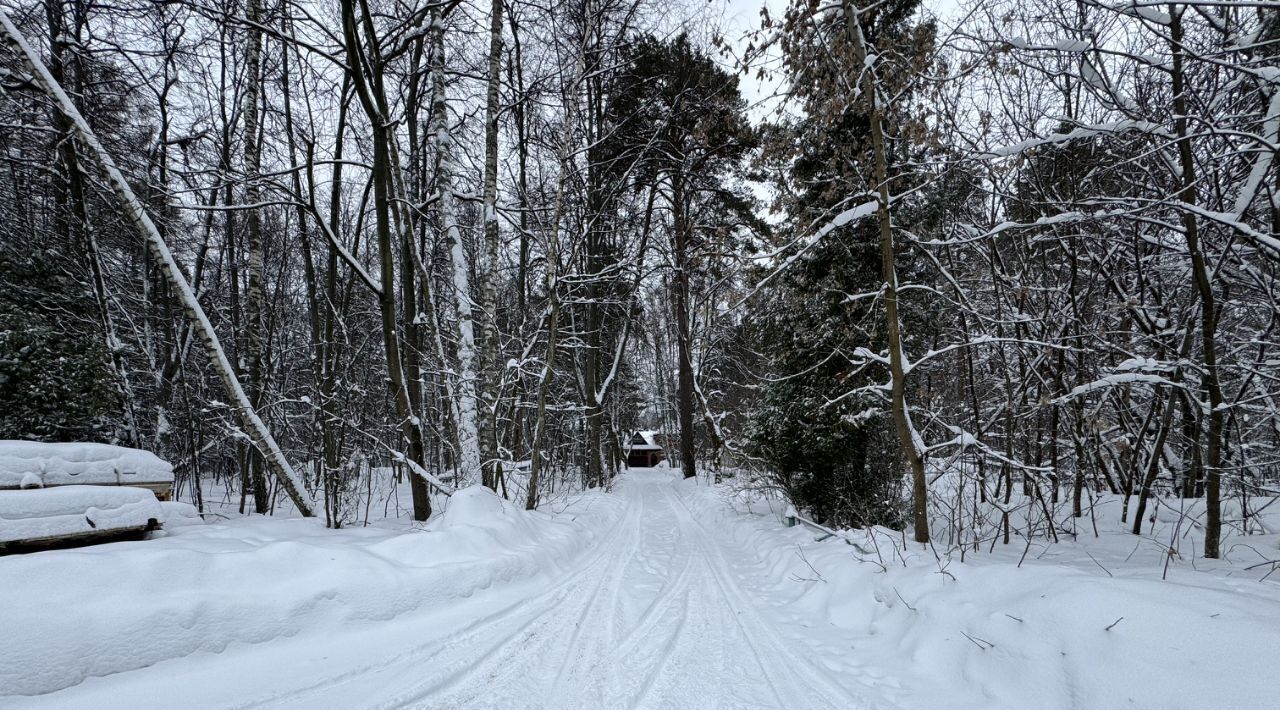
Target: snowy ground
x=664, y=594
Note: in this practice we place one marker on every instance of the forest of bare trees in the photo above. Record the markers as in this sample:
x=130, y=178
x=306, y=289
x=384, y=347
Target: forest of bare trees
x=958, y=275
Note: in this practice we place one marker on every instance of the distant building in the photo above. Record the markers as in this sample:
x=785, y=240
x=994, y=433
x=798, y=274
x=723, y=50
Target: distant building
x=644, y=451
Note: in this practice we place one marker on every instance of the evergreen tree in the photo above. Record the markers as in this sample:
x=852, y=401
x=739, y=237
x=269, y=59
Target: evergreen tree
x=832, y=451
x=57, y=378
x=687, y=115
x=55, y=372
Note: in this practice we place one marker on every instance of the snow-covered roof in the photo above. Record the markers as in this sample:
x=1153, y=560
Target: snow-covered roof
x=35, y=464
x=644, y=441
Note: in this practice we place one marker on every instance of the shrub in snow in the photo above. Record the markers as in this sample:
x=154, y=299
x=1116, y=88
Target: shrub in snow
x=55, y=373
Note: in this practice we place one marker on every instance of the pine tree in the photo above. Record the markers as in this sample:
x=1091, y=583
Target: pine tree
x=690, y=117
x=56, y=380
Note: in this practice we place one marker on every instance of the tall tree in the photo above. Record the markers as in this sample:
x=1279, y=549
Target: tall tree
x=690, y=113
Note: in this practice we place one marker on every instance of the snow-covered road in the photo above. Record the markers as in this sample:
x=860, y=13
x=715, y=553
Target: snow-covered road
x=659, y=614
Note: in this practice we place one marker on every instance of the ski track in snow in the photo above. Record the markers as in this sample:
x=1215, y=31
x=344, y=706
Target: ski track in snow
x=654, y=616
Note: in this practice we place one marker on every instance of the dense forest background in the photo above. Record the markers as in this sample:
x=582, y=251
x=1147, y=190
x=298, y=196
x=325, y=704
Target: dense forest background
x=957, y=276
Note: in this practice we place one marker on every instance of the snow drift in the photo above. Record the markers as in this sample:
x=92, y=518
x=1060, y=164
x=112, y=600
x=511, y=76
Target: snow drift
x=925, y=630
x=118, y=607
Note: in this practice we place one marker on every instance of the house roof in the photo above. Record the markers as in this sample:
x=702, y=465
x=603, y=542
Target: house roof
x=644, y=441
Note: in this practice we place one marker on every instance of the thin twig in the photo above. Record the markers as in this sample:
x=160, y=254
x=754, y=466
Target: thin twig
x=979, y=641
x=904, y=601
x=1099, y=564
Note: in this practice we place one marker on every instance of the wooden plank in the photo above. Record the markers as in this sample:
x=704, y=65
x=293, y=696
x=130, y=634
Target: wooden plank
x=79, y=539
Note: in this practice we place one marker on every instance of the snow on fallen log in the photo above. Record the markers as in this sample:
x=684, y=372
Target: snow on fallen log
x=35, y=464
x=75, y=511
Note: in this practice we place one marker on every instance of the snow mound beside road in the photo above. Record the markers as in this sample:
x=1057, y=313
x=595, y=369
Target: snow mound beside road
x=476, y=506
x=114, y=608
x=924, y=629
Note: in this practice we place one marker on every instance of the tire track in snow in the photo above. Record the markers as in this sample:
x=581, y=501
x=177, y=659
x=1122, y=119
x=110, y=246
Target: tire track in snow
x=652, y=616
x=610, y=672
x=583, y=676
x=519, y=612
x=510, y=660
x=763, y=633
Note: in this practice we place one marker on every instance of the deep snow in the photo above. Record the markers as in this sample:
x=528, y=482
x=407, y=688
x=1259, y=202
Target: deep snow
x=665, y=594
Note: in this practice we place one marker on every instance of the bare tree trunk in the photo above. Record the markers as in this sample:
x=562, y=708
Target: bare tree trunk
x=318, y=307
x=684, y=344
x=519, y=115
x=373, y=99
x=490, y=347
x=908, y=439
x=1204, y=289
x=469, y=460
x=537, y=462
x=255, y=300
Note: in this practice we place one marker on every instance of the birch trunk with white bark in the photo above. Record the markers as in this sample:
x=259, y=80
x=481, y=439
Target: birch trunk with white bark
x=441, y=139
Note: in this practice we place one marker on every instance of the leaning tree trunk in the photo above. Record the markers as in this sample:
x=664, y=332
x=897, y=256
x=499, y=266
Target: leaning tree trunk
x=136, y=213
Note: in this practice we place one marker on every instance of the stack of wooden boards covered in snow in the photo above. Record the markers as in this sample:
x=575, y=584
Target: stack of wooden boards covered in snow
x=74, y=493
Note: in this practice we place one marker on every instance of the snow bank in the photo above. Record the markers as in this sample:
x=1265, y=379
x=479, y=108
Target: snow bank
x=477, y=506
x=112, y=608
x=33, y=464
x=177, y=514
x=930, y=631
x=74, y=510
